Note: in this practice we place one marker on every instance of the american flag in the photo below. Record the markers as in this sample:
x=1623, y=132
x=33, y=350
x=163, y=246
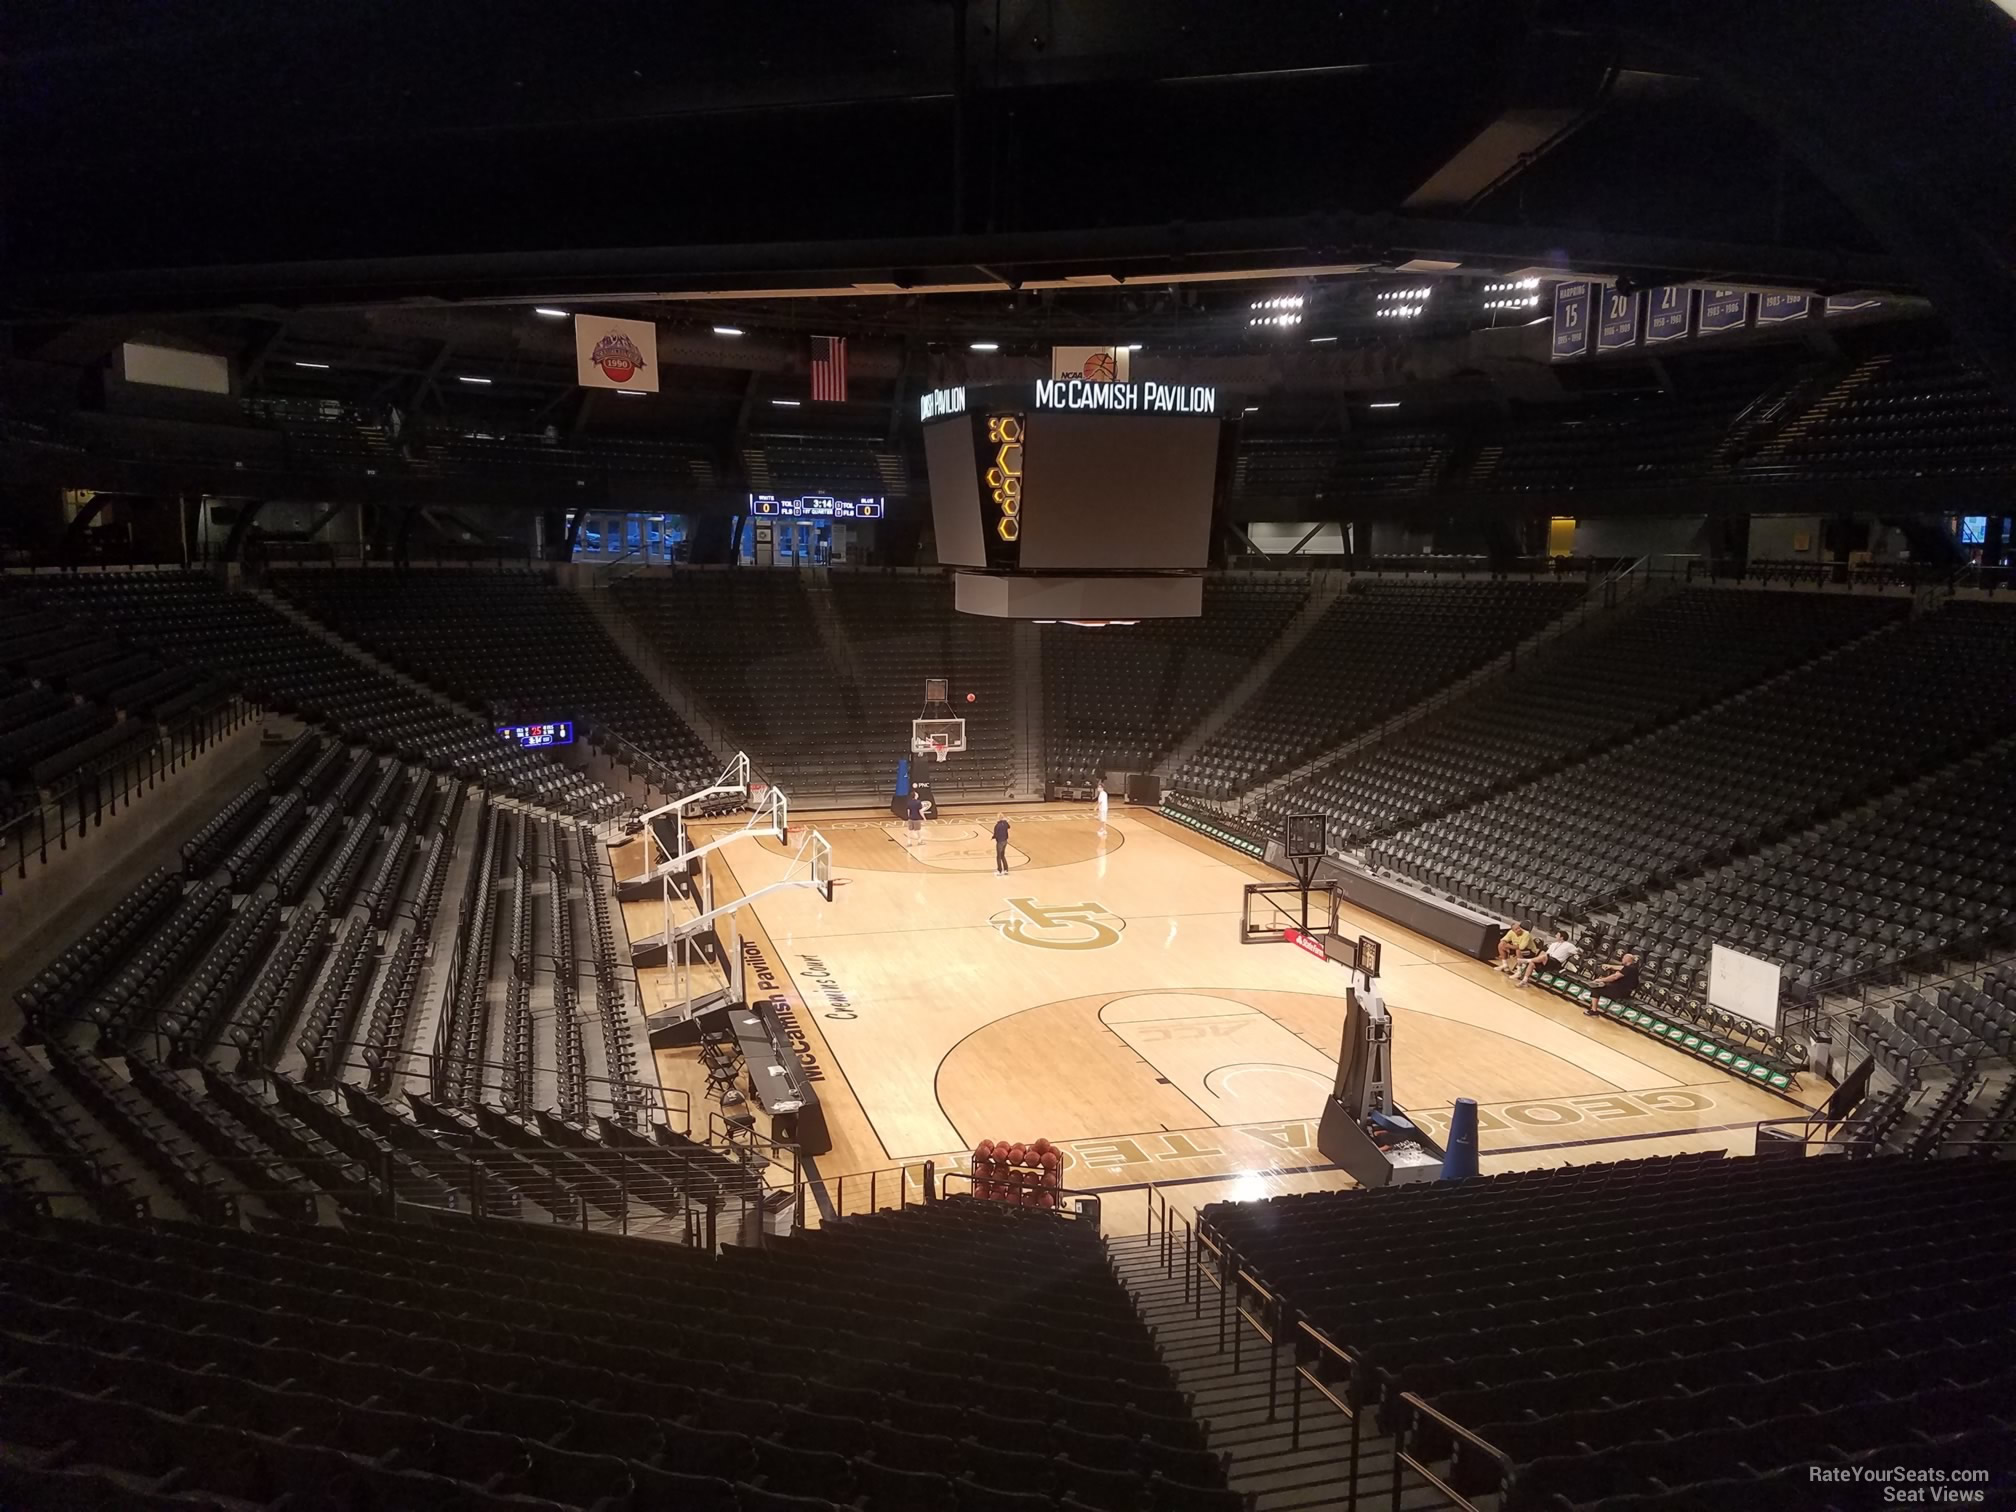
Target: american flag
x=829, y=369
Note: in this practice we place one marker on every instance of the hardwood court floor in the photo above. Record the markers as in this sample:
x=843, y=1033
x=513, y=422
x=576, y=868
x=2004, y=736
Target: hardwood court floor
x=1099, y=996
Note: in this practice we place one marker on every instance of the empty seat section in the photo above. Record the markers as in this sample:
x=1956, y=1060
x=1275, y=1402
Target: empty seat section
x=1121, y=697
x=1380, y=647
x=516, y=645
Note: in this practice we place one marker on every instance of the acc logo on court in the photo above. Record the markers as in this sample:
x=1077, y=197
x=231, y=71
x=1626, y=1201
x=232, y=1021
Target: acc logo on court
x=1058, y=926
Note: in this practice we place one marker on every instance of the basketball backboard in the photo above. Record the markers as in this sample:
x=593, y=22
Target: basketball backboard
x=1303, y=835
x=822, y=866
x=926, y=733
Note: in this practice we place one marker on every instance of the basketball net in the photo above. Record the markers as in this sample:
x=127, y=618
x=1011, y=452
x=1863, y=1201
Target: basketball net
x=940, y=745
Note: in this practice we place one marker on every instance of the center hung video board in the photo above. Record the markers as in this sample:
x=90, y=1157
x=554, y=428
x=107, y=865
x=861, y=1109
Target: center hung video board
x=555, y=732
x=1066, y=476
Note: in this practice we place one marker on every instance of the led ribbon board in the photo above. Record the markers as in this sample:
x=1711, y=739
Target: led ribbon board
x=815, y=507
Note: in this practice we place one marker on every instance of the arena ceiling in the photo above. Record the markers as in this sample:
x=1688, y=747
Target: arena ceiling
x=244, y=153
x=365, y=201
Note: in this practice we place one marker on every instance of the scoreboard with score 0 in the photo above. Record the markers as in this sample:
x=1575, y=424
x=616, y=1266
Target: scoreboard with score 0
x=815, y=507
x=533, y=736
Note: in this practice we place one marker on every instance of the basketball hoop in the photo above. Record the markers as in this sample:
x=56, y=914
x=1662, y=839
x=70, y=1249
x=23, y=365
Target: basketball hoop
x=941, y=747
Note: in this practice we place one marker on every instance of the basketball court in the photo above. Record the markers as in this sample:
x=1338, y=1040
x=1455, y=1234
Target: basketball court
x=1099, y=996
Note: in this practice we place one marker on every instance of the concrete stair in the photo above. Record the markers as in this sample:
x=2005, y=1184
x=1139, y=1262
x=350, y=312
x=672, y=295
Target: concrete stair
x=654, y=669
x=1026, y=770
x=1822, y=397
x=1586, y=621
x=1325, y=591
x=1282, y=1470
x=817, y=587
x=281, y=606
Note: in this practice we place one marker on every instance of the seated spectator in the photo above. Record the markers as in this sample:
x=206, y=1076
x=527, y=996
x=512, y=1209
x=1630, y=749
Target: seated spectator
x=1557, y=955
x=1618, y=985
x=1516, y=941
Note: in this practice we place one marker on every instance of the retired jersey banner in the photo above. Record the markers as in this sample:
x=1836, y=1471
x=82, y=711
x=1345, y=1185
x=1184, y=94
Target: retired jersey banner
x=1723, y=310
x=615, y=354
x=1775, y=307
x=1098, y=364
x=1572, y=305
x=1617, y=330
x=1848, y=304
x=1671, y=314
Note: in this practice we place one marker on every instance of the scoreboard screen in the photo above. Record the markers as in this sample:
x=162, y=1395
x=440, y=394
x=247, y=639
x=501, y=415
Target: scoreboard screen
x=556, y=732
x=815, y=507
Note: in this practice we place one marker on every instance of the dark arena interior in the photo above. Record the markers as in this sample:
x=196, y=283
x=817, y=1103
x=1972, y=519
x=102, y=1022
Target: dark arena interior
x=1008, y=756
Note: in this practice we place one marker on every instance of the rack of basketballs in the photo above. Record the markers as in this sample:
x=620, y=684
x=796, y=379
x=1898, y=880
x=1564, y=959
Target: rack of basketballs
x=1026, y=1175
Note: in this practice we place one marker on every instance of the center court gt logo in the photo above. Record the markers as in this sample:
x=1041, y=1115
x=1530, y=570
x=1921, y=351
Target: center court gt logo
x=1059, y=926
x=618, y=358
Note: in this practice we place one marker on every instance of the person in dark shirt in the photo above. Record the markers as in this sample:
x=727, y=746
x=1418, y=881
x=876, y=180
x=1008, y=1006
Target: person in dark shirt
x=1000, y=845
x=1619, y=985
x=916, y=818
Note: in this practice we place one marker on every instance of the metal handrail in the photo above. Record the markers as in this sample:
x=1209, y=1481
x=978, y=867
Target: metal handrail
x=84, y=800
x=1090, y=1204
x=1456, y=1431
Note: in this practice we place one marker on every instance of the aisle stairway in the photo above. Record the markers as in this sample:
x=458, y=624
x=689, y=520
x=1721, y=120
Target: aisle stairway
x=287, y=610
x=1282, y=1471
x=1324, y=591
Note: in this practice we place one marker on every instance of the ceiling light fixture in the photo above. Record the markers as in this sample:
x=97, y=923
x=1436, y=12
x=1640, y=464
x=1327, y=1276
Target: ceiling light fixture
x=1384, y=404
x=1251, y=409
x=1316, y=340
x=312, y=364
x=549, y=312
x=468, y=378
x=727, y=330
x=631, y=394
x=985, y=346
x=785, y=403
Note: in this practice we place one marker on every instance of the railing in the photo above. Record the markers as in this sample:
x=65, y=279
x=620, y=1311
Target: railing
x=1312, y=1358
x=1085, y=1207
x=760, y=1152
x=889, y=1189
x=63, y=816
x=1866, y=577
x=657, y=777
x=685, y=1194
x=650, y=1192
x=859, y=1193
x=211, y=1200
x=1408, y=1452
x=616, y=568
x=483, y=556
x=1851, y=994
